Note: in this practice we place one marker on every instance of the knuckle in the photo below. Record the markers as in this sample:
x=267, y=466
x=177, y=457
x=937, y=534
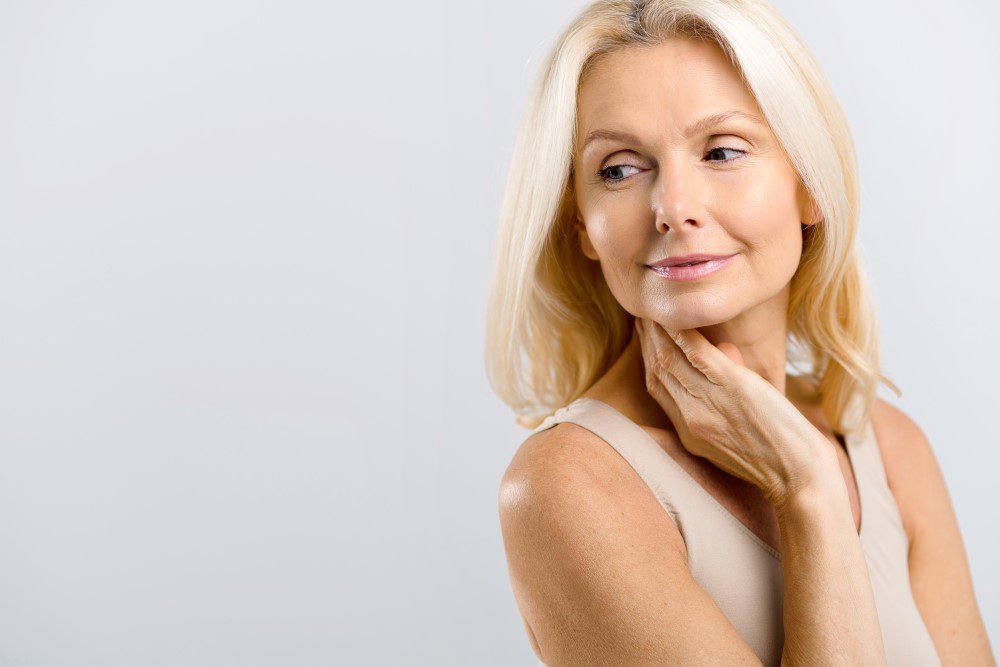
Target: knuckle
x=696, y=427
x=673, y=365
x=652, y=374
x=697, y=359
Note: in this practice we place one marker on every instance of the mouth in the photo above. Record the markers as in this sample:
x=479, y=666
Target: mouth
x=688, y=260
x=691, y=268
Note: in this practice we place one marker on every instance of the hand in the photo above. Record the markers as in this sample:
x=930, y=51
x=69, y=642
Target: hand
x=730, y=415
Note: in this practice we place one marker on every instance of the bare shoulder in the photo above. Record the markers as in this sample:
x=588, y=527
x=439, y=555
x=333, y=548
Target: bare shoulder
x=566, y=442
x=908, y=458
x=568, y=466
x=567, y=453
x=891, y=422
x=940, y=575
x=898, y=435
x=597, y=566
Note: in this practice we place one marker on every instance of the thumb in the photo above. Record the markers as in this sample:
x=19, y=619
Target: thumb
x=733, y=353
x=704, y=355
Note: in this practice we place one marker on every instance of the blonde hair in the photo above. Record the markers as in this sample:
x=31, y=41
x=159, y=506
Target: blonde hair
x=554, y=327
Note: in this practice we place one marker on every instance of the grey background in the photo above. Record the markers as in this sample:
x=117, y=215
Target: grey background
x=244, y=249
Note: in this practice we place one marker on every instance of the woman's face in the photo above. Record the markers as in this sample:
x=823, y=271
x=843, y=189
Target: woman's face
x=673, y=188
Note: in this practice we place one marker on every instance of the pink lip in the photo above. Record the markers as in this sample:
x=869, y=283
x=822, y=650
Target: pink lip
x=711, y=264
x=674, y=260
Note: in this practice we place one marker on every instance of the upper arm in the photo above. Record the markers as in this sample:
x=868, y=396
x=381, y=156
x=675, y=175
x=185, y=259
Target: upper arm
x=938, y=565
x=598, y=568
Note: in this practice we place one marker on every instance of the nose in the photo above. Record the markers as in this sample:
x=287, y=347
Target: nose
x=674, y=200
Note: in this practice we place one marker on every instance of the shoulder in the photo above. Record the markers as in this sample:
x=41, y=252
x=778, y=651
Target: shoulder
x=940, y=576
x=565, y=473
x=564, y=459
x=899, y=437
x=586, y=542
x=908, y=457
x=892, y=419
x=901, y=441
x=551, y=466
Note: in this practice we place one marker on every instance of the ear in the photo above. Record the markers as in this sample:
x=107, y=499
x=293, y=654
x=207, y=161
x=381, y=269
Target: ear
x=585, y=244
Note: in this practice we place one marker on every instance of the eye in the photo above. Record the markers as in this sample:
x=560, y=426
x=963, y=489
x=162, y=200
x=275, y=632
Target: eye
x=725, y=148
x=605, y=174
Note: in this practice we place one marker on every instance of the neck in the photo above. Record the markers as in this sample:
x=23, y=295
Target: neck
x=759, y=334
x=762, y=345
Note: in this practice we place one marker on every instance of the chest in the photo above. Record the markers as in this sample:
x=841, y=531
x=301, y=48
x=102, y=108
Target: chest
x=744, y=500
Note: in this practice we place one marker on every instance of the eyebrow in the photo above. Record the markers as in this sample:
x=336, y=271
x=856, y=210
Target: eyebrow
x=695, y=128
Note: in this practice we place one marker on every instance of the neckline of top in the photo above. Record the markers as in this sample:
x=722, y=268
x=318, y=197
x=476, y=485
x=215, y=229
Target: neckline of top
x=850, y=439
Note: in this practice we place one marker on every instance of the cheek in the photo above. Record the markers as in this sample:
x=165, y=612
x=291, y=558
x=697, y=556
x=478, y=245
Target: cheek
x=615, y=230
x=762, y=213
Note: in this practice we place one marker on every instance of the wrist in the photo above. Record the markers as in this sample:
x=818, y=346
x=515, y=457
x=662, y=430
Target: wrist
x=809, y=484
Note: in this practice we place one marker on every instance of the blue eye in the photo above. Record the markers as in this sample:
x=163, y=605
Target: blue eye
x=604, y=174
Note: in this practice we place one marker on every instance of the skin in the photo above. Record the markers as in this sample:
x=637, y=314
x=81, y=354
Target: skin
x=673, y=199
x=664, y=193
x=725, y=189
x=669, y=194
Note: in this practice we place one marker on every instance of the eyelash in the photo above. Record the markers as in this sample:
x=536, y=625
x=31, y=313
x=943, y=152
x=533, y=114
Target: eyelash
x=602, y=173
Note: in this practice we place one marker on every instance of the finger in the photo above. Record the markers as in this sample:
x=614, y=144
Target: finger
x=653, y=348
x=732, y=352
x=654, y=357
x=704, y=356
x=671, y=395
x=662, y=386
x=674, y=361
x=678, y=392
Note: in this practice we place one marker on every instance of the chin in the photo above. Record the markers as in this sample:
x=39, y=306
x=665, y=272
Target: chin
x=691, y=311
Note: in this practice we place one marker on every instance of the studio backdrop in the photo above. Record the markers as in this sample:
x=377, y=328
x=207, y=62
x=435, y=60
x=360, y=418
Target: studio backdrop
x=244, y=258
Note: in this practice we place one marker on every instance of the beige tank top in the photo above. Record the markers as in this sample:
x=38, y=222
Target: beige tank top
x=738, y=569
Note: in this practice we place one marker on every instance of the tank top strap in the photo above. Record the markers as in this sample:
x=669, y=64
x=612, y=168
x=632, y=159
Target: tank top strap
x=886, y=546
x=656, y=468
x=865, y=455
x=878, y=506
x=882, y=531
x=688, y=503
x=741, y=572
x=630, y=440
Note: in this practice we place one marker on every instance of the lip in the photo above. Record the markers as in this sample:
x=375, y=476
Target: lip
x=711, y=264
x=681, y=259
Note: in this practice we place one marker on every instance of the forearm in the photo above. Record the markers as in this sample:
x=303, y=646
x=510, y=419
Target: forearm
x=829, y=608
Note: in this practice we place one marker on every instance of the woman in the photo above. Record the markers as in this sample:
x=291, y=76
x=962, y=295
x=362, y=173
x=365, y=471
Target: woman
x=682, y=203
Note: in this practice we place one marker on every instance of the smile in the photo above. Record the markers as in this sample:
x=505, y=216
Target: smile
x=691, y=271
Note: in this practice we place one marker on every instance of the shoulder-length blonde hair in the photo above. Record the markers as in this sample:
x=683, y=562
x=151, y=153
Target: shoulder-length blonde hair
x=553, y=326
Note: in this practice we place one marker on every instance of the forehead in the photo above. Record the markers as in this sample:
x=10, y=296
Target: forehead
x=663, y=86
